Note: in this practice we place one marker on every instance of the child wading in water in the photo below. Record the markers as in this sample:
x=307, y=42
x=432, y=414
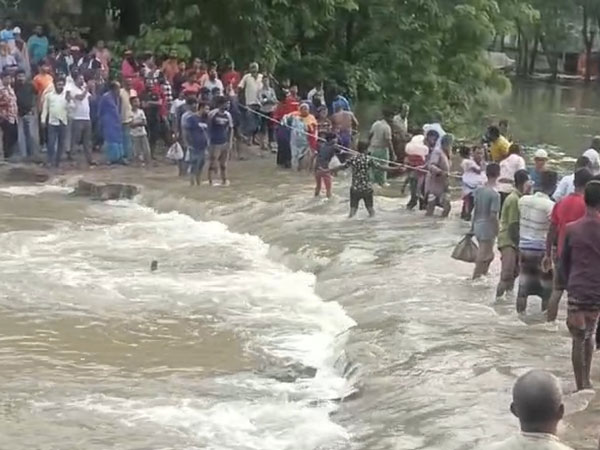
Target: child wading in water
x=327, y=151
x=361, y=187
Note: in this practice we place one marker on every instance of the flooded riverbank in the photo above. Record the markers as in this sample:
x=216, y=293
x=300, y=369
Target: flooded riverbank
x=256, y=284
x=273, y=321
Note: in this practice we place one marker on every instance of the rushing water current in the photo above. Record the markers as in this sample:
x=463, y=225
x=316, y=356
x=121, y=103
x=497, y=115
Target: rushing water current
x=218, y=347
x=272, y=322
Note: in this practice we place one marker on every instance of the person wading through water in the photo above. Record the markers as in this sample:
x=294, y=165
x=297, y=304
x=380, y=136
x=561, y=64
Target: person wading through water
x=570, y=209
x=535, y=212
x=578, y=264
x=485, y=220
x=508, y=237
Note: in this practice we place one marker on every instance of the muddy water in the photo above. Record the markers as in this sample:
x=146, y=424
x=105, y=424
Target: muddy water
x=257, y=286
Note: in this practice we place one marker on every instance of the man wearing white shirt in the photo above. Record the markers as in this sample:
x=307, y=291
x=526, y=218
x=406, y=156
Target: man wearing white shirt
x=508, y=167
x=213, y=82
x=55, y=116
x=535, y=212
x=251, y=84
x=81, y=124
x=566, y=186
x=316, y=92
x=593, y=155
x=538, y=404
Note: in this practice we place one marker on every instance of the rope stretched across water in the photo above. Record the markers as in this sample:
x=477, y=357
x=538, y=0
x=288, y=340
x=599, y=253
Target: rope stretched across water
x=343, y=149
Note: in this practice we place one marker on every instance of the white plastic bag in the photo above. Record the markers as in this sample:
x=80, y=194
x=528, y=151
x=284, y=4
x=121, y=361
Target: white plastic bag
x=334, y=163
x=175, y=152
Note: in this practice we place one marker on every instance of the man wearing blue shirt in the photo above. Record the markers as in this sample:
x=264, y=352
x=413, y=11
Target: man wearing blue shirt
x=220, y=125
x=7, y=34
x=196, y=132
x=37, y=45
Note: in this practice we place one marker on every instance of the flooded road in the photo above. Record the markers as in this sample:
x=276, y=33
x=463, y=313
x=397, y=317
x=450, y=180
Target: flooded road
x=268, y=307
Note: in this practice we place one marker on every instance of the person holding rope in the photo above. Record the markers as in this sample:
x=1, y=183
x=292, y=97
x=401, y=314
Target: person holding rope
x=196, y=131
x=344, y=122
x=361, y=187
x=327, y=150
x=436, y=181
x=381, y=145
x=303, y=137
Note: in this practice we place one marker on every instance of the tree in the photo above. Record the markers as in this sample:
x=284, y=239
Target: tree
x=589, y=10
x=429, y=52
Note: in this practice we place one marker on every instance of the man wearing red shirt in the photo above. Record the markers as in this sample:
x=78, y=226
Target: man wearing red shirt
x=171, y=66
x=191, y=86
x=570, y=209
x=578, y=264
x=231, y=77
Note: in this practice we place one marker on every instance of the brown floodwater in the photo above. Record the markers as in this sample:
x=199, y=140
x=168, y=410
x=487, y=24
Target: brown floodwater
x=257, y=285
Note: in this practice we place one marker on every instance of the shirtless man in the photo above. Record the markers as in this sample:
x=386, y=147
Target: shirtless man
x=344, y=122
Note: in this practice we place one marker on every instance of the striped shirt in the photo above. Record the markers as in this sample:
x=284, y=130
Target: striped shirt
x=535, y=214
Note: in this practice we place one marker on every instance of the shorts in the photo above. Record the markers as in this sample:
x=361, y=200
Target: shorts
x=440, y=200
x=357, y=196
x=345, y=139
x=219, y=152
x=197, y=160
x=582, y=321
x=510, y=264
x=485, y=254
x=534, y=281
x=324, y=176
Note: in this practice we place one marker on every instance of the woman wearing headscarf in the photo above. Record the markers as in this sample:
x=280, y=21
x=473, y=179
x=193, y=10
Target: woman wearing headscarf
x=288, y=105
x=303, y=139
x=437, y=179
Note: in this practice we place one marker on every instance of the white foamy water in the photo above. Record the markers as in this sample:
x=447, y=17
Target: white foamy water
x=188, y=356
x=29, y=191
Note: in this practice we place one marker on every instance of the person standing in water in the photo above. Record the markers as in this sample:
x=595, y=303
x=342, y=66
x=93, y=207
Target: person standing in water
x=537, y=403
x=220, y=125
x=535, y=212
x=327, y=151
x=485, y=220
x=361, y=187
x=196, y=131
x=344, y=123
x=508, y=237
x=593, y=156
x=400, y=135
x=473, y=177
x=540, y=159
x=566, y=185
x=570, y=209
x=436, y=181
x=508, y=168
x=499, y=145
x=381, y=146
x=578, y=263
x=303, y=136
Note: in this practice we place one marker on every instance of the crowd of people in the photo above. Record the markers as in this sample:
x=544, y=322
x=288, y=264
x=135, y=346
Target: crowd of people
x=62, y=102
x=547, y=234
